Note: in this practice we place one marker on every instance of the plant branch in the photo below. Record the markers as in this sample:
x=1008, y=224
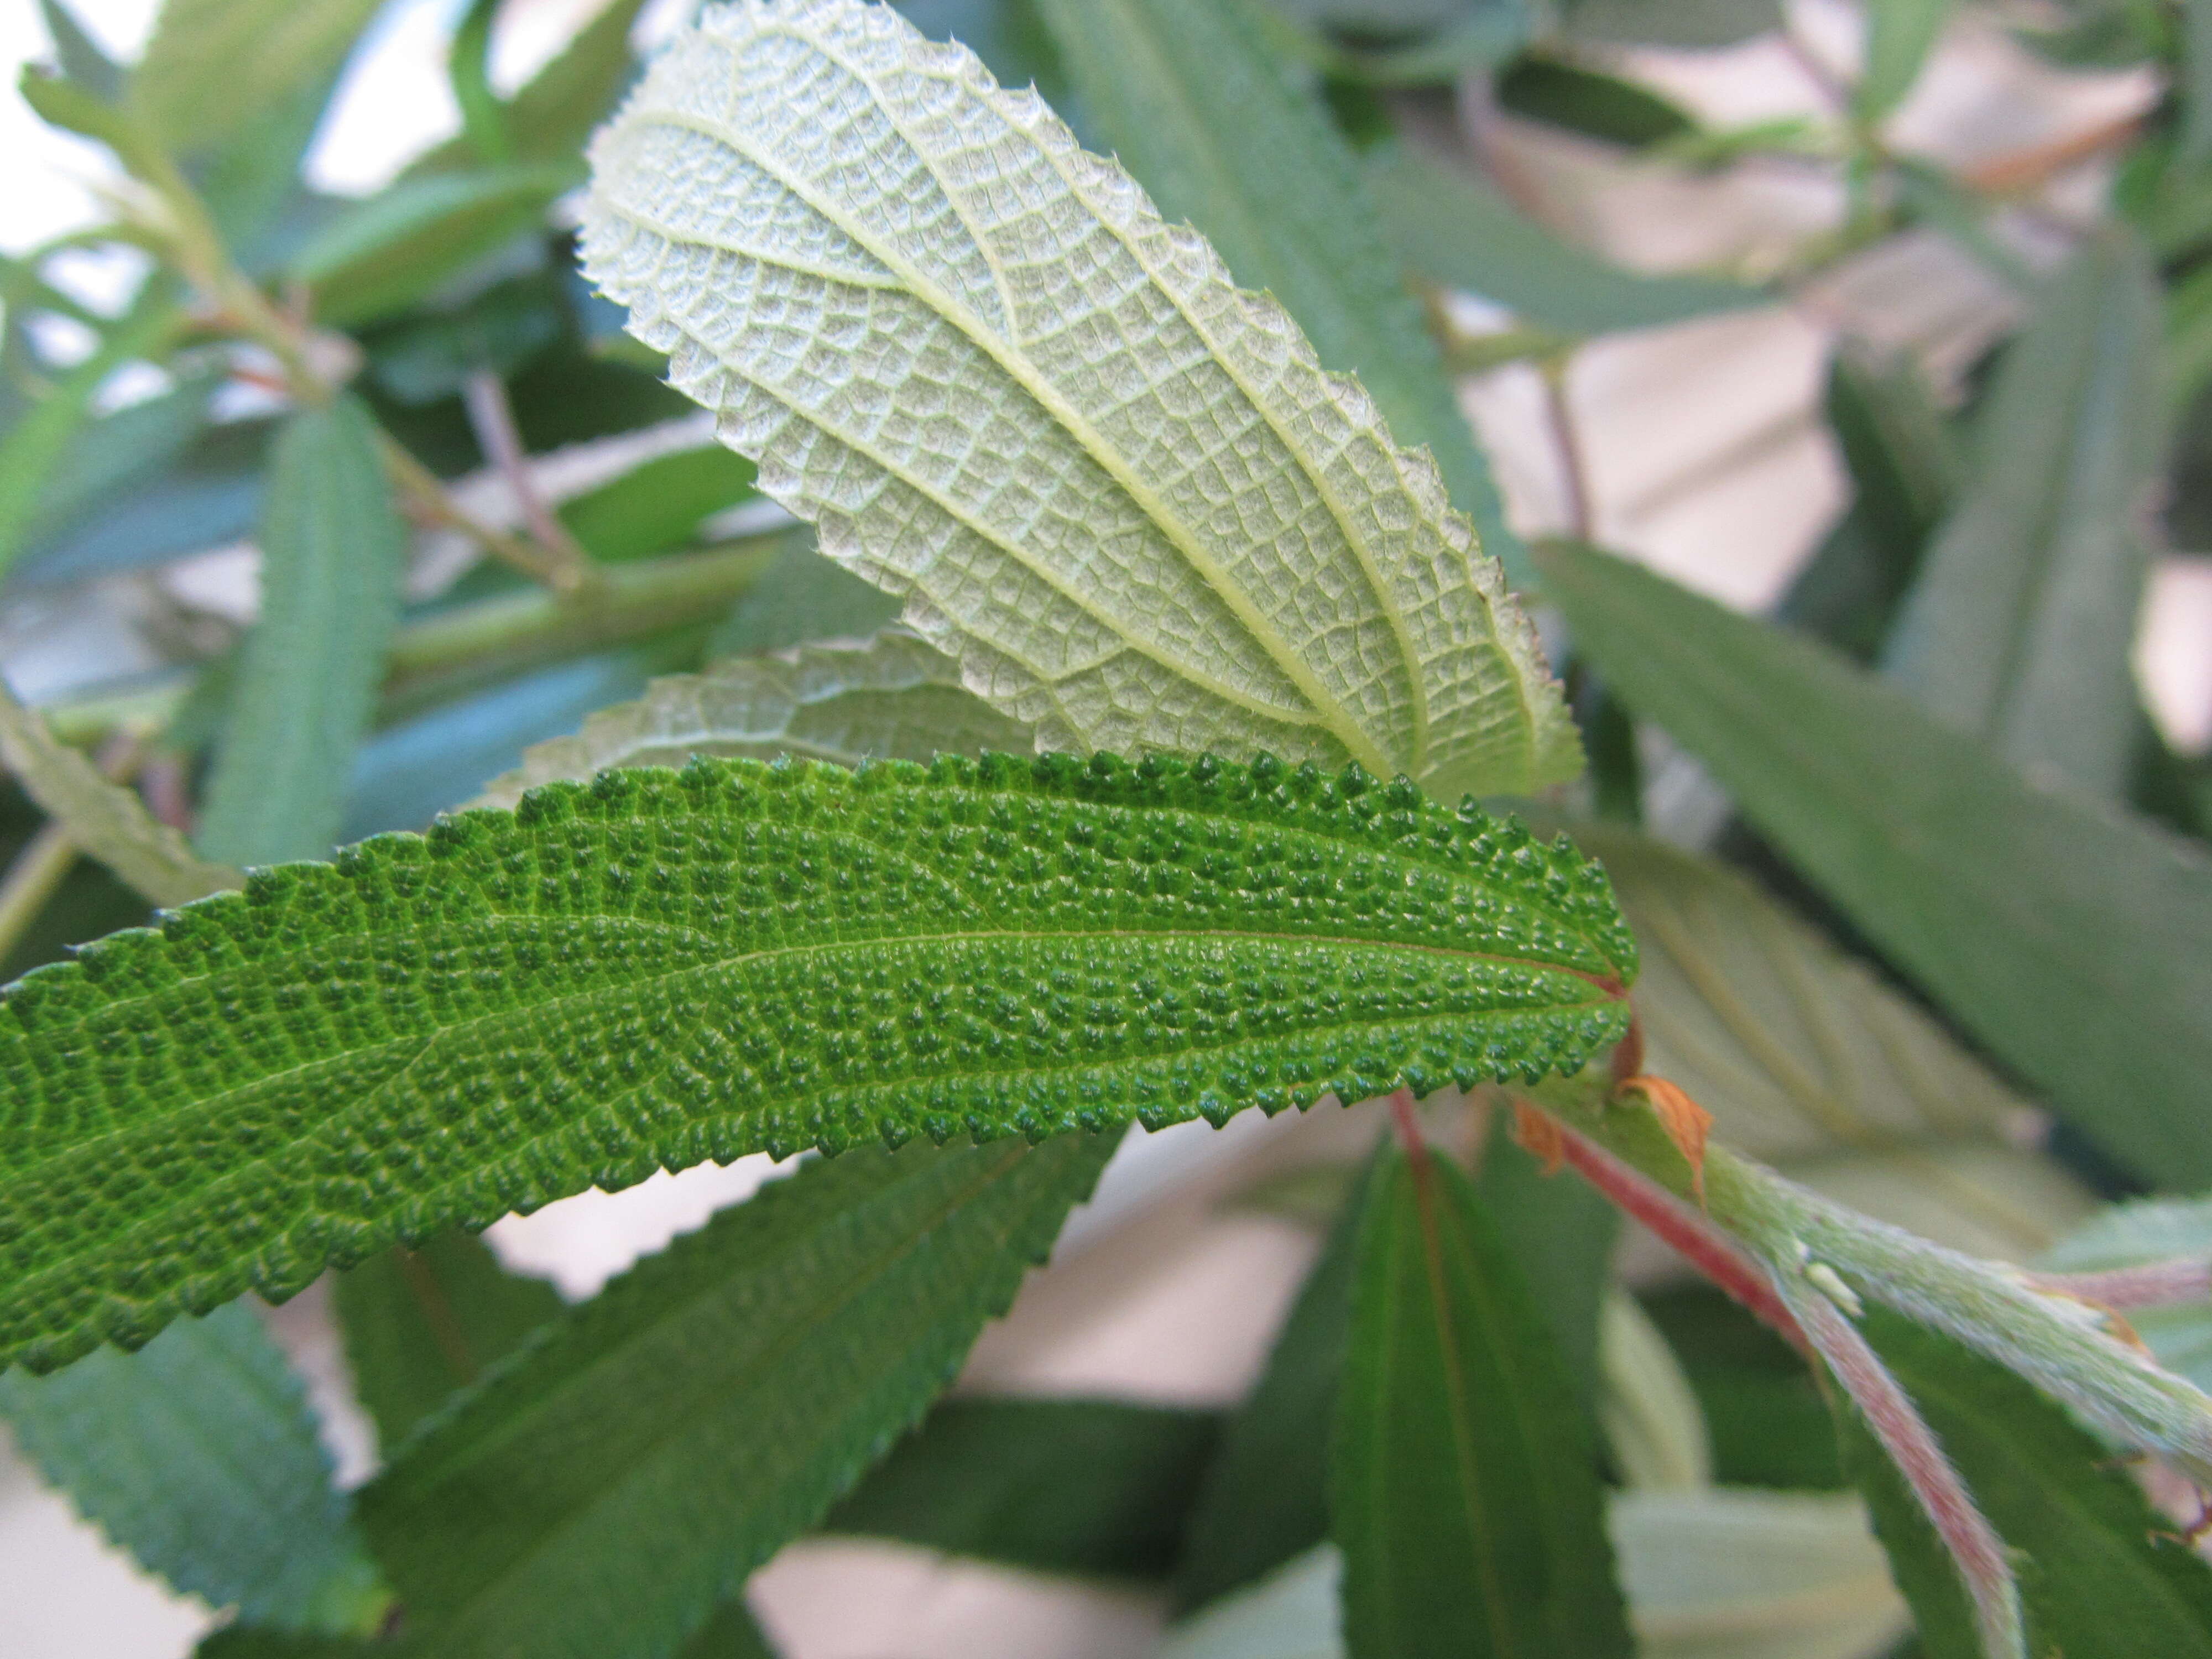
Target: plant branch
x=1891, y=1416
x=567, y=565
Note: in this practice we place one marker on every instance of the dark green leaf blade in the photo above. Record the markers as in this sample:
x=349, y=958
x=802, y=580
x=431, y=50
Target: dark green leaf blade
x=1198, y=106
x=662, y=967
x=332, y=548
x=2068, y=937
x=1452, y=228
x=1465, y=1485
x=198, y=1455
x=2021, y=625
x=1266, y=1496
x=2105, y=1575
x=632, y=1464
x=1093, y=1488
x=420, y=1325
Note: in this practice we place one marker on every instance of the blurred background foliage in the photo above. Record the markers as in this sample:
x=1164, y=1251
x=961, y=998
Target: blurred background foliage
x=327, y=487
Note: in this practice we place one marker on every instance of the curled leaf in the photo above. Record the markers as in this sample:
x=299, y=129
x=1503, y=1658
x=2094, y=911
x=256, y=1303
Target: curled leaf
x=1687, y=1124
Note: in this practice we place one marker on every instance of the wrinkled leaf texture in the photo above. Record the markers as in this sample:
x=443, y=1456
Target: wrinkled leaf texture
x=662, y=967
x=1120, y=490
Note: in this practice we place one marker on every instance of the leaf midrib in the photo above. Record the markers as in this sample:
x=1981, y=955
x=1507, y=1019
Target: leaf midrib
x=1329, y=710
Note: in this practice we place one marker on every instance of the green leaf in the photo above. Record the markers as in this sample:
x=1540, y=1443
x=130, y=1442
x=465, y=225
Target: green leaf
x=1465, y=1487
x=1194, y=100
x=2136, y=1235
x=82, y=57
x=103, y=819
x=1687, y=23
x=2104, y=1576
x=662, y=967
x=634, y=1462
x=198, y=1455
x=2065, y=935
x=890, y=698
x=1316, y=596
x=213, y=64
x=801, y=597
x=332, y=550
x=1724, y=1574
x=2196, y=139
x=1093, y=1488
x=1810, y=1062
x=1455, y=229
x=729, y=1633
x=37, y=445
x=550, y=116
x=1265, y=1496
x=420, y=1325
x=122, y=452
x=2020, y=626
x=1562, y=93
x=1766, y=1419
x=1292, y=1614
x=399, y=246
x=1906, y=469
x=1562, y=1233
x=658, y=506
x=1899, y=34
x=468, y=63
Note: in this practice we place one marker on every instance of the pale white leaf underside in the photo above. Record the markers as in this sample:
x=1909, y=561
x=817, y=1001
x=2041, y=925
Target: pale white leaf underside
x=1118, y=490
x=893, y=697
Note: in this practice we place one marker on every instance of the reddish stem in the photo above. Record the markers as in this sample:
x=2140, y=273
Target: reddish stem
x=1408, y=1125
x=2153, y=1284
x=1682, y=1228
x=1896, y=1422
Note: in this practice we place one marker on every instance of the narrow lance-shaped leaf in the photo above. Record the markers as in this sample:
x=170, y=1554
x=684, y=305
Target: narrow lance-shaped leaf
x=104, y=820
x=82, y=57
x=2020, y=626
x=1464, y=1491
x=893, y=698
x=1092, y=1488
x=198, y=1455
x=664, y=967
x=632, y=1464
x=213, y=64
x=1119, y=490
x=1900, y=35
x=1453, y=229
x=420, y=1325
x=2067, y=936
x=2104, y=1576
x=1265, y=1497
x=332, y=546
x=1191, y=97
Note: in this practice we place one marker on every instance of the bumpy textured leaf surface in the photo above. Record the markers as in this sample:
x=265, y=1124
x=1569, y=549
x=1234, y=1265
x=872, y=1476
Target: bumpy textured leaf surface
x=2019, y=628
x=2104, y=1576
x=628, y=1468
x=1809, y=1061
x=1120, y=490
x=198, y=1455
x=664, y=967
x=2067, y=937
x=894, y=698
x=104, y=818
x=1464, y=1488
x=1194, y=99
x=420, y=1325
x=332, y=548
x=1095, y=1488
